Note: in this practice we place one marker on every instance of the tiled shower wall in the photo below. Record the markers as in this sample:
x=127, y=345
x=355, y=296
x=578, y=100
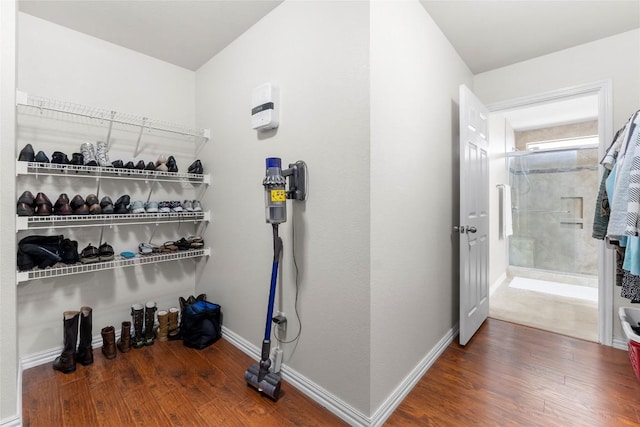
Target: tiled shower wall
x=553, y=202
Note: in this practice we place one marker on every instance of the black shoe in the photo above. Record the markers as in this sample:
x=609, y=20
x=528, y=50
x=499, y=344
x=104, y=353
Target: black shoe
x=27, y=154
x=107, y=205
x=117, y=164
x=140, y=165
x=129, y=165
x=77, y=159
x=41, y=157
x=171, y=164
x=122, y=205
x=59, y=158
x=150, y=166
x=69, y=251
x=196, y=167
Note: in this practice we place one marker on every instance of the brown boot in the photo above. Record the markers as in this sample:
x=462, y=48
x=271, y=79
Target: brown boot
x=174, y=332
x=124, y=343
x=109, y=342
x=66, y=362
x=163, y=328
x=84, y=354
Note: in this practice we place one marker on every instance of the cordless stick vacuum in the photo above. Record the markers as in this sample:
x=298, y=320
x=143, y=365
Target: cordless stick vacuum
x=259, y=375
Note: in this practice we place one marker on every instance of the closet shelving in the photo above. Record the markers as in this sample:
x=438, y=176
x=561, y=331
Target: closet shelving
x=98, y=172
x=57, y=110
x=118, y=262
x=74, y=221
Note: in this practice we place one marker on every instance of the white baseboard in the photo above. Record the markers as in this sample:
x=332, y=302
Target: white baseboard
x=393, y=401
x=620, y=344
x=16, y=420
x=323, y=397
x=11, y=422
x=47, y=356
x=494, y=287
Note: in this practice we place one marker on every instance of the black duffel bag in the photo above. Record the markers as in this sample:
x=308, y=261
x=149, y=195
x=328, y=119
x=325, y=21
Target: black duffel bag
x=201, y=324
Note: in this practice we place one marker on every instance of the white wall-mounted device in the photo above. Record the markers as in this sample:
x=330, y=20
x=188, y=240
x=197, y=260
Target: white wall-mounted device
x=264, y=107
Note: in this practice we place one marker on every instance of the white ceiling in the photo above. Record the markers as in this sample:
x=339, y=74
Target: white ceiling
x=487, y=34
x=182, y=32
x=491, y=34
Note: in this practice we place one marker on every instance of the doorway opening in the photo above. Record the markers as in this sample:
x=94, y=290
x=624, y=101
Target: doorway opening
x=552, y=271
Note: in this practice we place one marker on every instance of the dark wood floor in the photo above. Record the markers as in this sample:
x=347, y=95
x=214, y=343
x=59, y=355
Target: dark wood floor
x=511, y=375
x=507, y=375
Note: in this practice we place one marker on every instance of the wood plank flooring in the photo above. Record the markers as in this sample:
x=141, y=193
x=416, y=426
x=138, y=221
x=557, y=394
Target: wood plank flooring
x=512, y=375
x=508, y=375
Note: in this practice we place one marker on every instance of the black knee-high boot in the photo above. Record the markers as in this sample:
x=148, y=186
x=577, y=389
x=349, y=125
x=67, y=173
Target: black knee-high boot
x=66, y=362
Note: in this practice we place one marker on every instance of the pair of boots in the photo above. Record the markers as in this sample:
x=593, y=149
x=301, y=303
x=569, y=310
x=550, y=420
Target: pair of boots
x=143, y=324
x=66, y=362
x=168, y=324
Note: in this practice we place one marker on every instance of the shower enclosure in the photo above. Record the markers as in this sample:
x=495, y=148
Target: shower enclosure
x=553, y=202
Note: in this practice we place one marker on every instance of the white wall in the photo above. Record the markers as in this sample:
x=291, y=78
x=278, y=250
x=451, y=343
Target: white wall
x=415, y=75
x=498, y=259
x=56, y=62
x=317, y=52
x=9, y=386
x=616, y=57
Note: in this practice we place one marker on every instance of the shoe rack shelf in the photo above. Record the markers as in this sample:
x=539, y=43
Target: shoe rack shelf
x=44, y=105
x=118, y=262
x=99, y=172
x=75, y=221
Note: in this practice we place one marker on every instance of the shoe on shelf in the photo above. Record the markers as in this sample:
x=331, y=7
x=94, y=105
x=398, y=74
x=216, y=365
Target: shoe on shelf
x=89, y=255
x=172, y=166
x=122, y=204
x=105, y=252
x=137, y=207
x=24, y=209
x=150, y=166
x=60, y=158
x=79, y=206
x=161, y=164
x=101, y=154
x=69, y=251
x=62, y=207
x=27, y=154
x=196, y=168
x=151, y=207
x=175, y=206
x=94, y=204
x=197, y=207
x=164, y=207
x=41, y=157
x=117, y=164
x=107, y=205
x=77, y=159
x=129, y=165
x=140, y=165
x=88, y=154
x=27, y=198
x=43, y=205
x=77, y=201
x=145, y=249
x=187, y=205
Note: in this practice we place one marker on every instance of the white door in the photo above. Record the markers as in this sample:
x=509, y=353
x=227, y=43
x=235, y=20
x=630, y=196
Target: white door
x=474, y=214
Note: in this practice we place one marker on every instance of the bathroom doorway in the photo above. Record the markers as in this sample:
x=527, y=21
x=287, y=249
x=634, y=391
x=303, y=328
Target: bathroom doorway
x=551, y=272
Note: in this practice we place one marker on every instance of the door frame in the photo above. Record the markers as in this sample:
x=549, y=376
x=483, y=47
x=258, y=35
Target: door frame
x=606, y=259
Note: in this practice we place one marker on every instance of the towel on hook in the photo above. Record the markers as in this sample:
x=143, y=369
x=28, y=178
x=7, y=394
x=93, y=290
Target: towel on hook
x=507, y=214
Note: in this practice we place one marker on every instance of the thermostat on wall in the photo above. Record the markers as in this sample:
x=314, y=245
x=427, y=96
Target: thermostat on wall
x=264, y=107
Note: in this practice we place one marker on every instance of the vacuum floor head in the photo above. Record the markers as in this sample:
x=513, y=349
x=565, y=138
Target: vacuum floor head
x=269, y=385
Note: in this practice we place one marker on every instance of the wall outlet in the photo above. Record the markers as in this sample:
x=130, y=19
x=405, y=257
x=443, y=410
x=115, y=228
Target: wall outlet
x=280, y=319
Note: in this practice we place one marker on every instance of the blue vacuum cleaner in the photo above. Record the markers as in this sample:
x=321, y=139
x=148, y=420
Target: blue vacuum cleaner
x=259, y=375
